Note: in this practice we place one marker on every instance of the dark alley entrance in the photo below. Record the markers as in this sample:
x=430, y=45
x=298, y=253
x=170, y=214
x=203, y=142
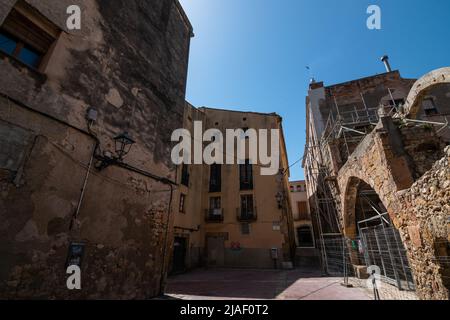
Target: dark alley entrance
x=179, y=255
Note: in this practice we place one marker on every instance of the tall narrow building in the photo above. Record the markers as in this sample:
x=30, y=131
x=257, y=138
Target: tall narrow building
x=306, y=253
x=230, y=215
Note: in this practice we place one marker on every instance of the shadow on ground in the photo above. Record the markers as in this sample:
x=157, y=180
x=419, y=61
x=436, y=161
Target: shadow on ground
x=259, y=284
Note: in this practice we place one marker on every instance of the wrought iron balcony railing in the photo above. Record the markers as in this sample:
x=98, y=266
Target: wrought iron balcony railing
x=214, y=215
x=246, y=214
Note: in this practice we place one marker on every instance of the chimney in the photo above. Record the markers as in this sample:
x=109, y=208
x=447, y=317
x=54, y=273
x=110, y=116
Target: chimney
x=315, y=85
x=385, y=60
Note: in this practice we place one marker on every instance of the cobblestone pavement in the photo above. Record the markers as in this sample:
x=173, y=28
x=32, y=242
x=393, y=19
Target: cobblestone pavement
x=235, y=284
x=386, y=291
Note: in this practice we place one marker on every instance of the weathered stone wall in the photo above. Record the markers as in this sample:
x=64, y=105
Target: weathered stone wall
x=129, y=61
x=422, y=145
x=424, y=225
x=122, y=221
x=421, y=88
x=391, y=160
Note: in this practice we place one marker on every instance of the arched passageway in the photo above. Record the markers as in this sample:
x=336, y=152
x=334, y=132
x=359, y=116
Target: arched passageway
x=397, y=173
x=375, y=240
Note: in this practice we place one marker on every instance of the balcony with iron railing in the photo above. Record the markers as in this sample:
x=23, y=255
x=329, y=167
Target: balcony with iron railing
x=246, y=215
x=301, y=216
x=246, y=185
x=214, y=215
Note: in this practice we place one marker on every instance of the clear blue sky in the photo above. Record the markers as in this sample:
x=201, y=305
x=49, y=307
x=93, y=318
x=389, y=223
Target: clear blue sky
x=251, y=55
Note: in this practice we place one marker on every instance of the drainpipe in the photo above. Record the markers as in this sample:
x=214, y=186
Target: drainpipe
x=385, y=60
x=123, y=165
x=163, y=267
x=84, y=184
x=88, y=133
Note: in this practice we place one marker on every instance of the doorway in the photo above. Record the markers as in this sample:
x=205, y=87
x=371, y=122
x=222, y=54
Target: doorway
x=179, y=255
x=305, y=237
x=215, y=247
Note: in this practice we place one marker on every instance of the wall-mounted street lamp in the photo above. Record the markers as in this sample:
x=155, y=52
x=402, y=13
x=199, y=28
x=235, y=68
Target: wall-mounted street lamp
x=122, y=146
x=123, y=143
x=280, y=199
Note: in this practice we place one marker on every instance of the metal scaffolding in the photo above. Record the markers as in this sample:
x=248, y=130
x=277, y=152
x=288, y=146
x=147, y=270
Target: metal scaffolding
x=376, y=244
x=348, y=126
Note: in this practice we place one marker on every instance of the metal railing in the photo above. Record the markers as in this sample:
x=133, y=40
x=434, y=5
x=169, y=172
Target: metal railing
x=214, y=215
x=344, y=255
x=246, y=215
x=383, y=247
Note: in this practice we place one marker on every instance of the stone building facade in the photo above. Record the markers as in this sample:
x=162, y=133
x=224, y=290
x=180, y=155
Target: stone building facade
x=365, y=171
x=228, y=215
x=65, y=196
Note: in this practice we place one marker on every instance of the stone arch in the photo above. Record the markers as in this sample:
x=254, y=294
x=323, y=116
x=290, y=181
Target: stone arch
x=379, y=162
x=349, y=202
x=373, y=170
x=370, y=222
x=374, y=163
x=420, y=89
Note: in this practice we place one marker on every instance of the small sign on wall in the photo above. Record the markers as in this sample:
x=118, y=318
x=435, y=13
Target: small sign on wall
x=236, y=246
x=75, y=254
x=276, y=226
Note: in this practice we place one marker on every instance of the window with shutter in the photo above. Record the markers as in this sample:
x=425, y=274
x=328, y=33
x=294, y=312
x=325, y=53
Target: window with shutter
x=215, y=179
x=246, y=175
x=27, y=35
x=302, y=210
x=182, y=208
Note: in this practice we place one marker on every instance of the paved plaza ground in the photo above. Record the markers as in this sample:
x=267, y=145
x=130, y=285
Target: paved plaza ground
x=235, y=284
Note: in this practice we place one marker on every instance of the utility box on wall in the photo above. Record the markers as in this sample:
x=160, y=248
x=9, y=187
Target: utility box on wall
x=274, y=253
x=14, y=143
